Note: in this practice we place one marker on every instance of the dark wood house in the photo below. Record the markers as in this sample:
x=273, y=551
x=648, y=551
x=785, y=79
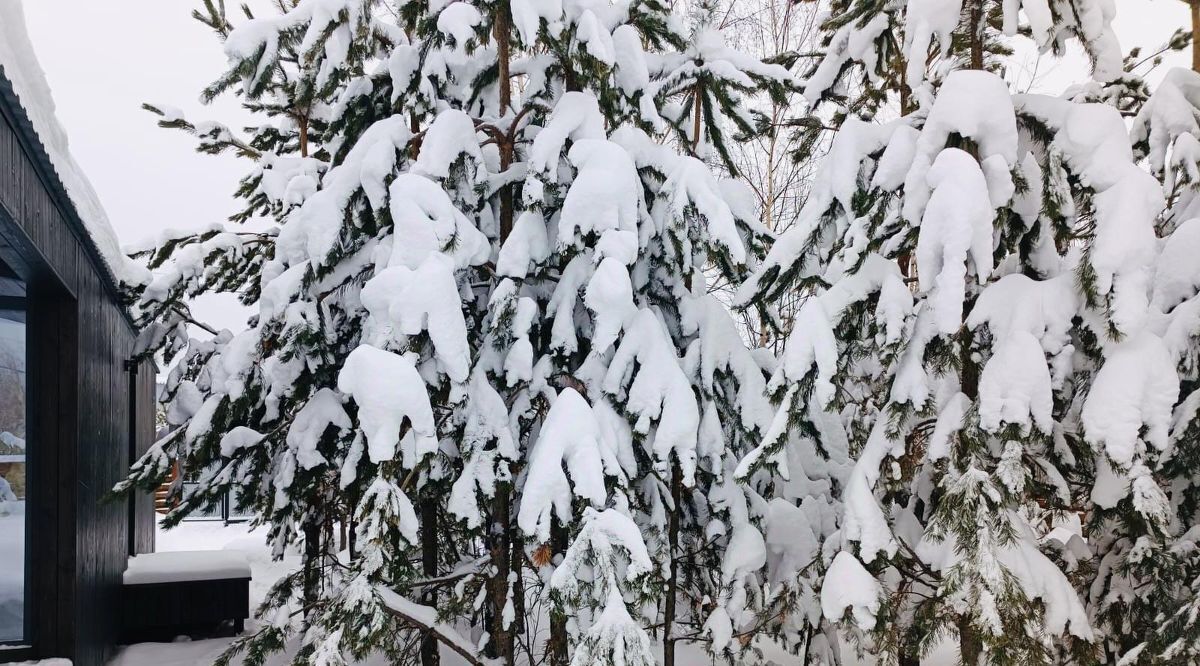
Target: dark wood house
x=73, y=413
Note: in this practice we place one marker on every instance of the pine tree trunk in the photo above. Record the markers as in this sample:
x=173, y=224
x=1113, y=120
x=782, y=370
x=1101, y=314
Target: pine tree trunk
x=502, y=29
x=975, y=25
x=414, y=126
x=672, y=547
x=1195, y=7
x=909, y=652
x=903, y=90
x=558, y=621
x=500, y=644
x=516, y=554
x=969, y=645
x=968, y=370
x=302, y=130
x=312, y=564
x=327, y=540
x=501, y=641
x=429, y=549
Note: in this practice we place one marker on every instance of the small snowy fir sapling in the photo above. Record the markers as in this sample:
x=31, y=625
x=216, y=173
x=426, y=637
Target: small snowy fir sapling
x=485, y=385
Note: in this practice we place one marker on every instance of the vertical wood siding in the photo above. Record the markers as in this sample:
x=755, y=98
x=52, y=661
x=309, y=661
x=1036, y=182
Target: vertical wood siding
x=89, y=413
x=145, y=402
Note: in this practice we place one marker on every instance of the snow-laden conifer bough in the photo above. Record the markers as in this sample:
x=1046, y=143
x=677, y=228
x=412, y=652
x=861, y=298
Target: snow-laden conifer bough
x=486, y=386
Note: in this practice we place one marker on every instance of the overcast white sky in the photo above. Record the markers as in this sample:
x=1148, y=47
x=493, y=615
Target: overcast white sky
x=104, y=58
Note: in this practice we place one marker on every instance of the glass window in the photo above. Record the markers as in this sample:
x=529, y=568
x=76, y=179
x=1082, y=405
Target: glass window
x=14, y=486
x=225, y=510
x=203, y=513
x=232, y=513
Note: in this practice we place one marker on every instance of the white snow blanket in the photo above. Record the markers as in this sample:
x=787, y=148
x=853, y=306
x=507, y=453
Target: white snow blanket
x=186, y=565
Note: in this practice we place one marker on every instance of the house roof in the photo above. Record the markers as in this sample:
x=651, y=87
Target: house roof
x=26, y=98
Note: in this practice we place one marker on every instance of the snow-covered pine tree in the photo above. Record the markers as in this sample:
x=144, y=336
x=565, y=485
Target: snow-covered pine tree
x=486, y=298
x=978, y=273
x=1165, y=131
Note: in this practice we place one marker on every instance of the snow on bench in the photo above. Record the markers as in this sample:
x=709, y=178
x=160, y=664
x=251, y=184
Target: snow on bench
x=193, y=593
x=186, y=566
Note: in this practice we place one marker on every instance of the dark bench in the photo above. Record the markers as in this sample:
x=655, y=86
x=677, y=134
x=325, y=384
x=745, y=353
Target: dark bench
x=198, y=594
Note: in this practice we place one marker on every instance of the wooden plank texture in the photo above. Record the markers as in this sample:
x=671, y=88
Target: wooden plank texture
x=89, y=413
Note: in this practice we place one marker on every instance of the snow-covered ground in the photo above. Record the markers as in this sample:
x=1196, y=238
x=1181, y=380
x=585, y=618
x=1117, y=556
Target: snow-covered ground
x=12, y=569
x=216, y=536
x=183, y=653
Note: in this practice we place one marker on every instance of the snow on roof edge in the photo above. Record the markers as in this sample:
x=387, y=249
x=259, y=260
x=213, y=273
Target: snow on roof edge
x=19, y=68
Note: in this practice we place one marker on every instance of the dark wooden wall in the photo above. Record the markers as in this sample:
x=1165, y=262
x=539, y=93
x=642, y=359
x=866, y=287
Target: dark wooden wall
x=89, y=410
x=144, y=396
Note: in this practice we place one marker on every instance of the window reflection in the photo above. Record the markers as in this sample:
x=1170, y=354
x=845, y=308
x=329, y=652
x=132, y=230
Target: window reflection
x=13, y=463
